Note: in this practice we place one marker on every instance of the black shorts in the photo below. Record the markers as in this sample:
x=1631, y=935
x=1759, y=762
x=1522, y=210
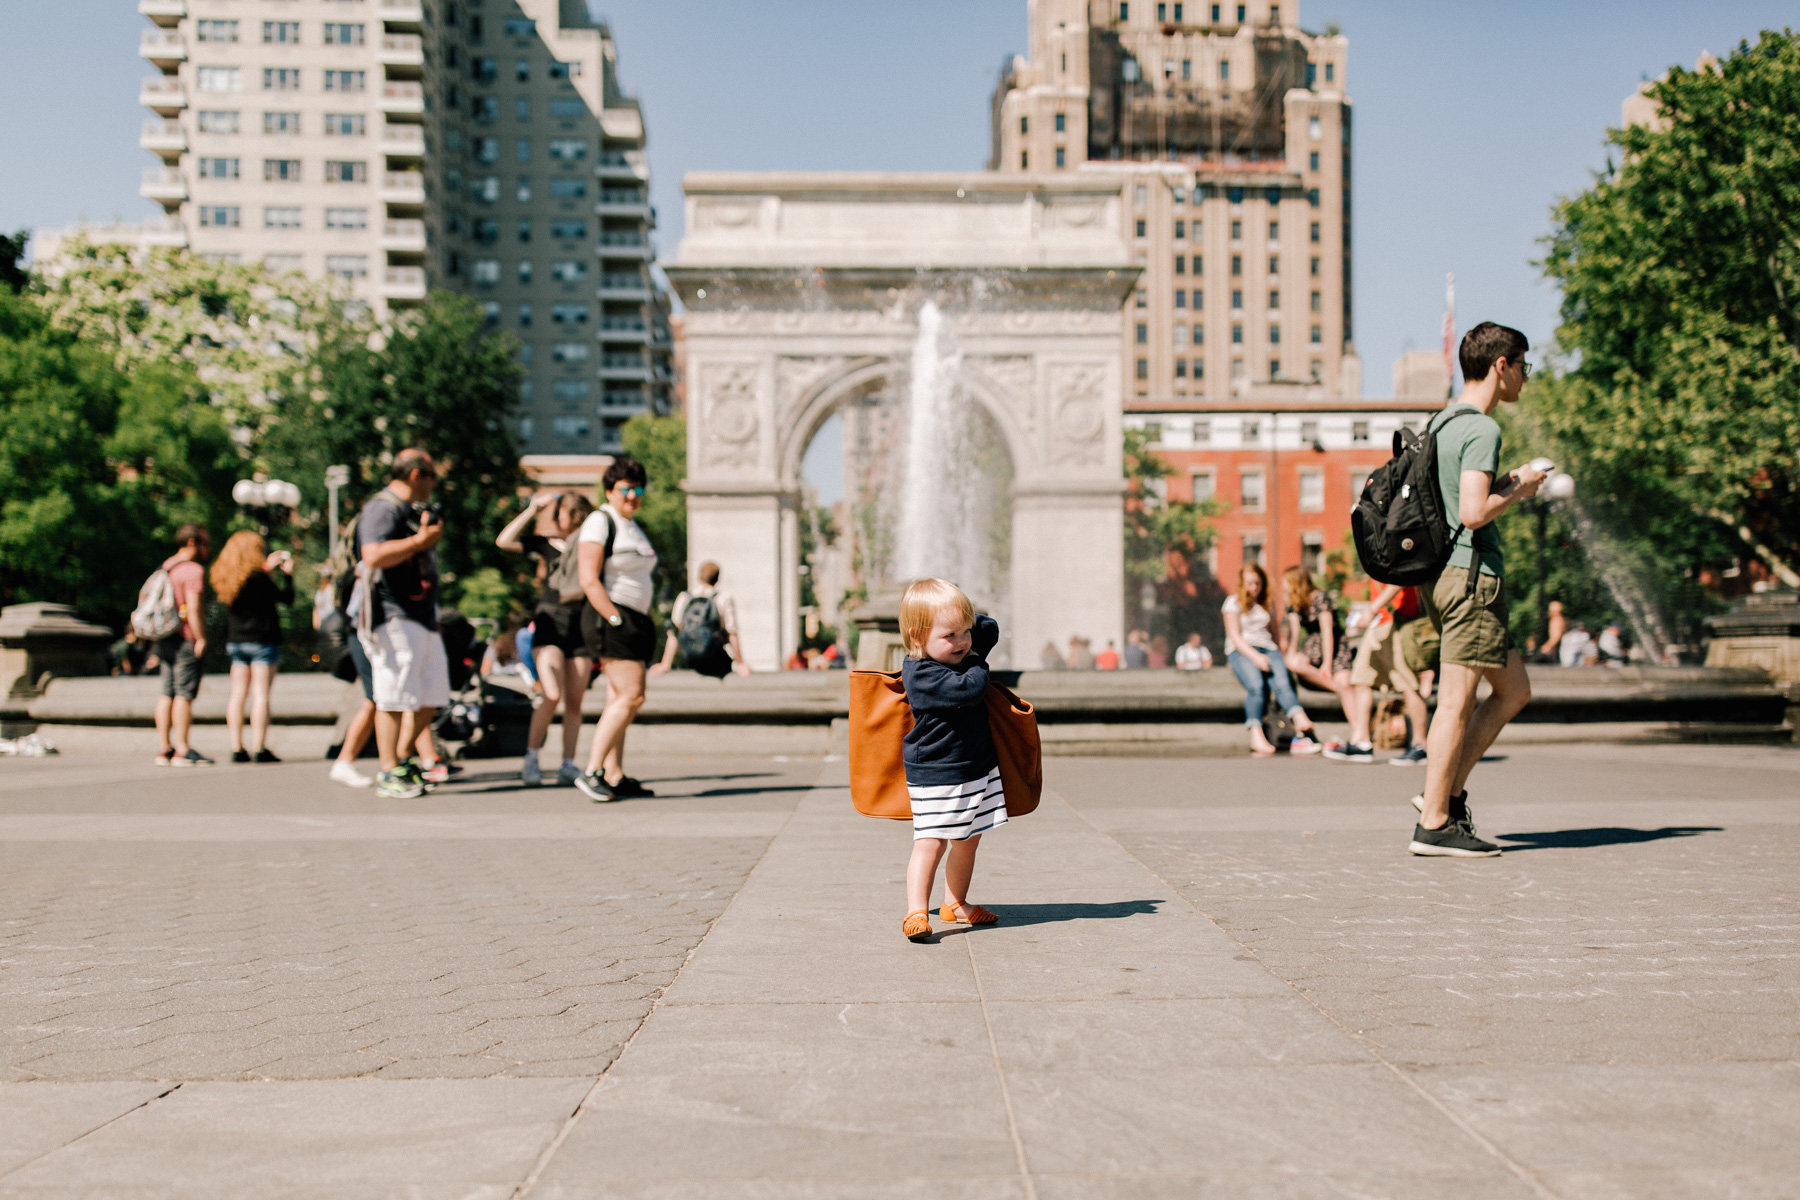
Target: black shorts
x=633, y=638
x=560, y=627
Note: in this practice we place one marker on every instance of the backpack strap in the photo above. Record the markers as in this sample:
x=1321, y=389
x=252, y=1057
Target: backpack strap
x=1474, y=559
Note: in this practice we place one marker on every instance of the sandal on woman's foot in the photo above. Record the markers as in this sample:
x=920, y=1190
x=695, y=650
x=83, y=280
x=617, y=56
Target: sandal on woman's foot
x=977, y=915
x=917, y=926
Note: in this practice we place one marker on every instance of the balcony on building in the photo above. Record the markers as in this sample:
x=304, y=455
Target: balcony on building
x=164, y=47
x=402, y=50
x=166, y=230
x=630, y=365
x=401, y=12
x=623, y=243
x=624, y=285
x=403, y=141
x=403, y=283
x=166, y=13
x=623, y=202
x=622, y=328
x=165, y=185
x=164, y=94
x=402, y=98
x=163, y=136
x=623, y=402
x=402, y=187
x=622, y=164
x=403, y=236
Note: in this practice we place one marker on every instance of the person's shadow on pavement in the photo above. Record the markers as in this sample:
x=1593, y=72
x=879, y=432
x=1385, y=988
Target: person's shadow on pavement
x=1044, y=914
x=1604, y=835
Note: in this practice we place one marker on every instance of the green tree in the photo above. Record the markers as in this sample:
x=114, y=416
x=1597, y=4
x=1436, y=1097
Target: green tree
x=97, y=467
x=1679, y=410
x=1165, y=545
x=660, y=443
x=438, y=378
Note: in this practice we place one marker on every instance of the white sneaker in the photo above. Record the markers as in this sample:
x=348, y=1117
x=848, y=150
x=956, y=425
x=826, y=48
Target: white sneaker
x=531, y=773
x=567, y=774
x=342, y=772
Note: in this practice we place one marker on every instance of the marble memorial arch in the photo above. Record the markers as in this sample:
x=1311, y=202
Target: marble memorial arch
x=803, y=292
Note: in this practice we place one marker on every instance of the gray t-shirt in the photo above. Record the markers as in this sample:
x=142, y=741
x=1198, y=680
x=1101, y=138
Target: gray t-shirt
x=1469, y=443
x=408, y=589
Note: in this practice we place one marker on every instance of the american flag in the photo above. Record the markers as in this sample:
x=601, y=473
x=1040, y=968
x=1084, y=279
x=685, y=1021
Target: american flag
x=1449, y=335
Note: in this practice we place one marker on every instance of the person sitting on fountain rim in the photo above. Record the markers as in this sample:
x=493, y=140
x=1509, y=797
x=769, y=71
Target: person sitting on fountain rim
x=1467, y=603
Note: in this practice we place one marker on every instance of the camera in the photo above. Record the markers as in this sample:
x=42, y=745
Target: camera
x=420, y=511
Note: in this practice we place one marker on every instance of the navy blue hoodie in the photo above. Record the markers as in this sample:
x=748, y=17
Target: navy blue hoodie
x=950, y=742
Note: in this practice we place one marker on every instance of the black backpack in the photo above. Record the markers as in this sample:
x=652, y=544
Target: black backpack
x=1403, y=536
x=702, y=637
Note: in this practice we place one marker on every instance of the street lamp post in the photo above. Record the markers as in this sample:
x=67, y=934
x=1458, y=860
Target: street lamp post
x=1559, y=486
x=335, y=477
x=263, y=496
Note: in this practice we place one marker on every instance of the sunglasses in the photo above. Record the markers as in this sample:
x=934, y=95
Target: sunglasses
x=633, y=492
x=1524, y=370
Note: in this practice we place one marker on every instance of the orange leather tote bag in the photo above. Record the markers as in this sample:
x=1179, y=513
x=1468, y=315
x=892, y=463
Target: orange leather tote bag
x=880, y=719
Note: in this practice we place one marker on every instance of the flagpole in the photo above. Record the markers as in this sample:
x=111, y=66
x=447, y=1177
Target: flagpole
x=1449, y=335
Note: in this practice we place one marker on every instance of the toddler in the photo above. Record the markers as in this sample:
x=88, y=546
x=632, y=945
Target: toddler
x=952, y=771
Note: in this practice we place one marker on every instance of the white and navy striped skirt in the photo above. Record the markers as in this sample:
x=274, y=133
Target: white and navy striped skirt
x=958, y=810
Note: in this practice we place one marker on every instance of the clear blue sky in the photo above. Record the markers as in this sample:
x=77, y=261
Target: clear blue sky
x=1470, y=118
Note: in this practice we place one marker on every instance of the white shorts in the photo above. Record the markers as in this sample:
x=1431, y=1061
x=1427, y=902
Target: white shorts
x=410, y=667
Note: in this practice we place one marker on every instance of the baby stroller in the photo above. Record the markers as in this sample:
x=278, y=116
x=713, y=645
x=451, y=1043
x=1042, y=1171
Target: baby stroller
x=486, y=720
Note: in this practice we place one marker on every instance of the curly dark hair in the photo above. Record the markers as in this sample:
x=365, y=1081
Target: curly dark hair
x=623, y=469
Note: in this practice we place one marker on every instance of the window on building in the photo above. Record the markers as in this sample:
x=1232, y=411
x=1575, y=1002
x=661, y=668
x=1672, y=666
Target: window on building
x=1274, y=369
x=1237, y=264
x=570, y=427
x=486, y=149
x=1318, y=335
x=569, y=314
x=1237, y=231
x=347, y=266
x=1274, y=14
x=1359, y=433
x=1237, y=299
x=1237, y=335
x=1062, y=123
x=1274, y=231
x=1312, y=491
x=281, y=218
x=568, y=149
x=569, y=389
x=569, y=352
x=1358, y=481
x=1251, y=432
x=346, y=81
x=1024, y=160
x=1202, y=431
x=1316, y=370
x=1181, y=335
x=215, y=31
x=524, y=229
x=522, y=150
x=1181, y=368
x=1180, y=298
x=1162, y=12
x=1180, y=264
x=281, y=32
x=216, y=121
x=569, y=270
x=1274, y=336
x=1312, y=267
x=1225, y=71
x=1062, y=156
x=219, y=79
x=220, y=216
x=1274, y=299
x=524, y=270
x=1313, y=129
x=1312, y=161
x=346, y=124
x=1181, y=229
x=1142, y=298
x=485, y=109
x=282, y=79
x=1197, y=263
x=485, y=270
x=1143, y=334
x=1312, y=552
x=525, y=316
x=1143, y=368
x=1199, y=334
x=568, y=188
x=523, y=192
x=564, y=107
x=1142, y=227
x=485, y=189
x=568, y=229
x=1313, y=233
x=1330, y=72
x=1201, y=485
x=1240, y=14
x=484, y=70
x=1274, y=264
x=345, y=171
x=218, y=168
x=346, y=218
x=1250, y=491
x=1124, y=10
x=1024, y=125
x=1309, y=432
x=562, y=70
x=1187, y=69
x=338, y=34
x=1312, y=197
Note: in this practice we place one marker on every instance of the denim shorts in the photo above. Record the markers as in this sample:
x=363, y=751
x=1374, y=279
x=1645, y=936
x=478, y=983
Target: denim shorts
x=250, y=653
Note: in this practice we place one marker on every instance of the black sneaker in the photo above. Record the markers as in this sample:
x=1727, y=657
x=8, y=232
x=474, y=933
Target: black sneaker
x=193, y=758
x=408, y=769
x=1452, y=841
x=630, y=789
x=593, y=785
x=266, y=756
x=240, y=756
x=1414, y=757
x=1353, y=752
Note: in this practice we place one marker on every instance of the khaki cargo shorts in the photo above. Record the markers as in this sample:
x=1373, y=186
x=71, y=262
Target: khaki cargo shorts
x=1473, y=628
x=1379, y=663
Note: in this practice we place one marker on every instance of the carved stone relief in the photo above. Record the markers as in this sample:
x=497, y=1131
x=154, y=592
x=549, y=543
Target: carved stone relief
x=732, y=420
x=1012, y=380
x=1077, y=414
x=795, y=378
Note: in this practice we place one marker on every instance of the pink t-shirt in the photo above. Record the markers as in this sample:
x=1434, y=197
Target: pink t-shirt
x=188, y=578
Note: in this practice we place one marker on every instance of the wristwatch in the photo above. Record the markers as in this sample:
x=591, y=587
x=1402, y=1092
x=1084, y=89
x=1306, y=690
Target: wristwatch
x=615, y=619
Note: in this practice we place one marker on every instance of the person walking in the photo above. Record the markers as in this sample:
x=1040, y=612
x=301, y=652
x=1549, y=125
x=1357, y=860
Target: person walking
x=396, y=547
x=547, y=529
x=1255, y=658
x=1467, y=603
x=182, y=652
x=712, y=613
x=615, y=564
x=252, y=584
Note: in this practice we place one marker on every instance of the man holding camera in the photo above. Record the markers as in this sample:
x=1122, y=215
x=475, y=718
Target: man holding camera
x=396, y=539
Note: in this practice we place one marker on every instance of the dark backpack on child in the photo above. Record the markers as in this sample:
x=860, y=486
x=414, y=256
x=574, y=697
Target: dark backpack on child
x=1403, y=536
x=702, y=637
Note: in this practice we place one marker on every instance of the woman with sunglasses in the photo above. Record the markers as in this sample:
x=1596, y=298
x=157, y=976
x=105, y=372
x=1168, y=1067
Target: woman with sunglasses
x=614, y=566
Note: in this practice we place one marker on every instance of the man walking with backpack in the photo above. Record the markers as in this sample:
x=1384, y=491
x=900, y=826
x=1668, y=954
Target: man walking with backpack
x=1467, y=603
x=703, y=623
x=171, y=613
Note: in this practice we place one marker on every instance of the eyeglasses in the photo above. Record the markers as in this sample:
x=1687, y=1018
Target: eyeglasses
x=1524, y=370
x=632, y=492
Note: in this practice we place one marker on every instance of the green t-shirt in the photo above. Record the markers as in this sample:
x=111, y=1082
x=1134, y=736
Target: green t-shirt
x=1468, y=444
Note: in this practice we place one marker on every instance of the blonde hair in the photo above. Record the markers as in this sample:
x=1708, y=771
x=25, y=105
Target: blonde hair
x=241, y=558
x=1243, y=593
x=920, y=605
x=1300, y=585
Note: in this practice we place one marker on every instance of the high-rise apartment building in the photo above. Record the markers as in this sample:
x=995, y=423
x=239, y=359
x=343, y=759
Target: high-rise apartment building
x=478, y=145
x=1229, y=129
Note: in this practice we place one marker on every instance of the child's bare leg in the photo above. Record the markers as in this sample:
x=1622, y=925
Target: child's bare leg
x=921, y=871
x=958, y=870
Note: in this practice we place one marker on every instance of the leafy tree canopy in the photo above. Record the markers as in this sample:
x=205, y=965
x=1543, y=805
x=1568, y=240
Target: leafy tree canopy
x=1680, y=272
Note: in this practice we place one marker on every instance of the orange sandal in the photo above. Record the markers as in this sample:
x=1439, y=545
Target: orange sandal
x=977, y=915
x=917, y=926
